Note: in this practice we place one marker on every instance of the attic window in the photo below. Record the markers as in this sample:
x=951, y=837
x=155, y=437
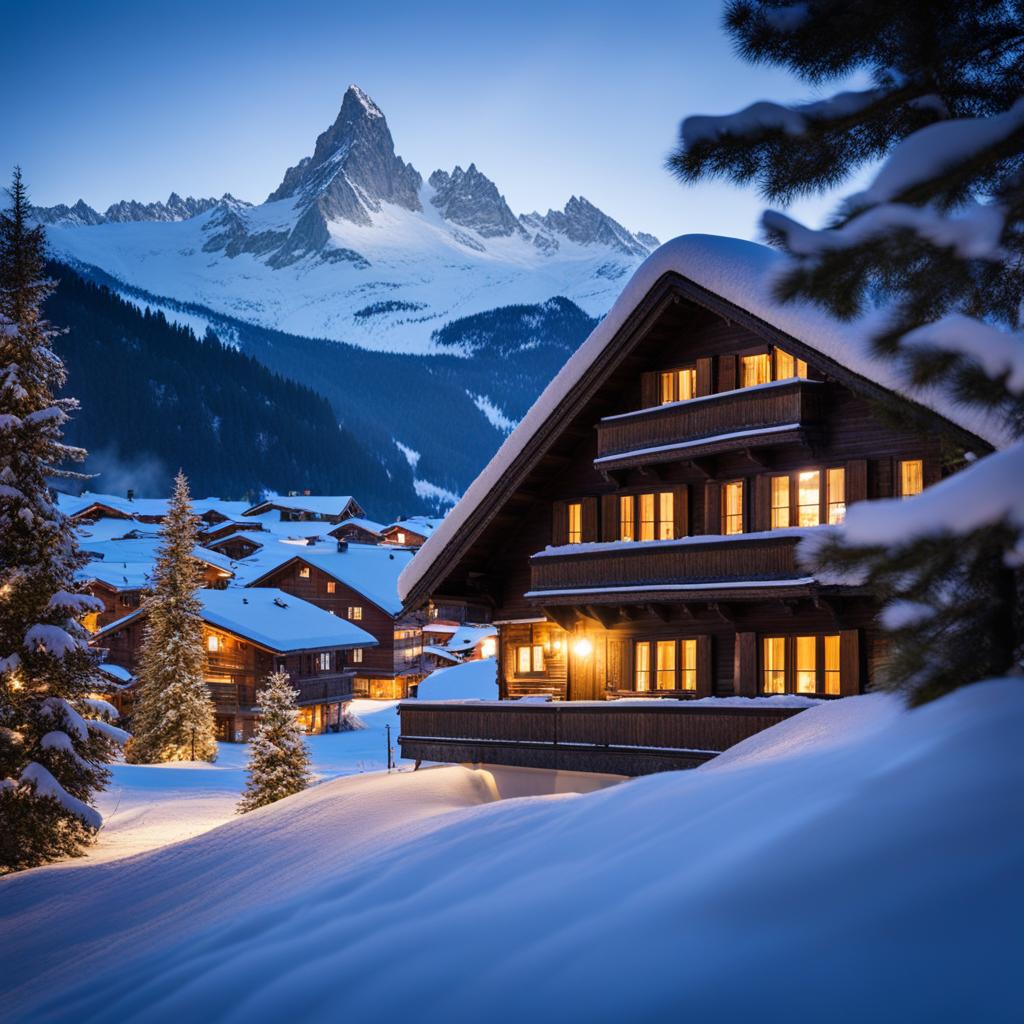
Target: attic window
x=213, y=643
x=331, y=586
x=304, y=572
x=400, y=537
x=355, y=612
x=575, y=532
x=678, y=385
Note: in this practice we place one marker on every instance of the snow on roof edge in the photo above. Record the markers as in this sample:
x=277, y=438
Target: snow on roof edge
x=739, y=271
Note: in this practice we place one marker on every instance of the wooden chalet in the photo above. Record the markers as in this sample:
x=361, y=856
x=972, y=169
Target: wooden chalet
x=409, y=533
x=235, y=545
x=358, y=583
x=637, y=535
x=358, y=531
x=302, y=508
x=249, y=633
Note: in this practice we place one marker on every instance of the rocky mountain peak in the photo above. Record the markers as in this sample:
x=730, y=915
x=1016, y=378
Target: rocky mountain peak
x=582, y=222
x=471, y=199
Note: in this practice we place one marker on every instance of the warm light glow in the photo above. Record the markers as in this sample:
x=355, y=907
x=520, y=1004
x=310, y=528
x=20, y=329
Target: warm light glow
x=558, y=645
x=489, y=647
x=583, y=648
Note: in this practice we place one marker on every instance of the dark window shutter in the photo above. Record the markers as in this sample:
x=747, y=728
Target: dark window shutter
x=849, y=662
x=762, y=502
x=745, y=665
x=932, y=472
x=589, y=517
x=560, y=523
x=610, y=517
x=704, y=381
x=649, y=390
x=856, y=481
x=615, y=678
x=681, y=509
x=712, y=507
x=726, y=373
x=705, y=676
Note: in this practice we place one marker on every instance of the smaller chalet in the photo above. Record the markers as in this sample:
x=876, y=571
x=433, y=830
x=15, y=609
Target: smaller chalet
x=409, y=533
x=236, y=546
x=249, y=633
x=89, y=506
x=359, y=531
x=359, y=583
x=451, y=643
x=301, y=508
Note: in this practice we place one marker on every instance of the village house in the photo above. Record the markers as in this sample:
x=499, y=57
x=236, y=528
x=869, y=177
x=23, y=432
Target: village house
x=411, y=532
x=636, y=536
x=300, y=508
x=447, y=643
x=247, y=634
x=358, y=583
x=358, y=530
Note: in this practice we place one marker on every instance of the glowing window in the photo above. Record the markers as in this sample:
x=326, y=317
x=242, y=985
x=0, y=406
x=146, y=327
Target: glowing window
x=668, y=387
x=324, y=661
x=666, y=516
x=303, y=572
x=666, y=664
x=787, y=366
x=627, y=522
x=688, y=664
x=836, y=484
x=732, y=507
x=355, y=612
x=911, y=477
x=774, y=658
x=213, y=643
x=575, y=522
x=357, y=655
x=331, y=586
x=678, y=385
x=400, y=537
x=642, y=665
x=832, y=665
x=780, y=502
x=808, y=497
x=755, y=370
x=529, y=659
x=806, y=664
x=647, y=517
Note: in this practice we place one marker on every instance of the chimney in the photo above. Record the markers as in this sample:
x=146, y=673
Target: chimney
x=131, y=494
x=342, y=546
x=306, y=493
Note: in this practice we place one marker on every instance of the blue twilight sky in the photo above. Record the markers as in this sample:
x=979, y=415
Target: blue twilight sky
x=119, y=100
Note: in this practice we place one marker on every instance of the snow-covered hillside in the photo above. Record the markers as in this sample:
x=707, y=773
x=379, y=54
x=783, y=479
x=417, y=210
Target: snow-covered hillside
x=355, y=246
x=857, y=862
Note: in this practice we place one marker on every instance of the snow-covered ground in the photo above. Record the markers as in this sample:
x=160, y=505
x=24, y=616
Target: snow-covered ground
x=857, y=862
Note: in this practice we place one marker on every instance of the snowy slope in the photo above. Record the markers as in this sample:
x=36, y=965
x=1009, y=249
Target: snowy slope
x=859, y=862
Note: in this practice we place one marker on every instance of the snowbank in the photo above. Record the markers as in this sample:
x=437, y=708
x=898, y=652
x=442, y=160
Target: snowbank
x=473, y=680
x=859, y=862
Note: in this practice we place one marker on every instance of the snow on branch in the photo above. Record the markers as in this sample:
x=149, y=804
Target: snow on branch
x=78, y=603
x=52, y=640
x=101, y=707
x=998, y=352
x=73, y=722
x=45, y=785
x=112, y=732
x=767, y=116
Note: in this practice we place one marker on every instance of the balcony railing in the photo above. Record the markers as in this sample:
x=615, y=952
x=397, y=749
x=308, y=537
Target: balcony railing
x=700, y=564
x=731, y=420
x=325, y=687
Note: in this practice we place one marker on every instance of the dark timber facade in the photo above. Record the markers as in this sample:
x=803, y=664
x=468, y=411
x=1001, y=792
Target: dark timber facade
x=644, y=541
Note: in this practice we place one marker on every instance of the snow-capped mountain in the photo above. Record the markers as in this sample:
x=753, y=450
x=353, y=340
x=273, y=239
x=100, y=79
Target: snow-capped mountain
x=355, y=246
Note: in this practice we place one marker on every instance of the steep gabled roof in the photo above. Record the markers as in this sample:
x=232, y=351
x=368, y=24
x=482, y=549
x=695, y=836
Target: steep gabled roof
x=729, y=276
x=318, y=504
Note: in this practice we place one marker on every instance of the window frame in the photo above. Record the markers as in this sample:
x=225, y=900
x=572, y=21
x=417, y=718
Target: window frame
x=685, y=664
x=574, y=510
x=354, y=613
x=901, y=477
x=827, y=667
x=633, y=502
x=674, y=378
x=725, y=515
x=535, y=657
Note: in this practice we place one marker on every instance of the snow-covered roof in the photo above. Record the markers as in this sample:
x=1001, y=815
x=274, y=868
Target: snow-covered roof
x=107, y=529
x=740, y=272
x=71, y=505
x=117, y=672
x=279, y=621
x=466, y=638
x=364, y=524
x=319, y=504
x=240, y=535
x=368, y=569
x=423, y=525
x=441, y=652
x=114, y=574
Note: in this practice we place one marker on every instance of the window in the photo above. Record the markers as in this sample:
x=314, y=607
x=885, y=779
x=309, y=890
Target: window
x=911, y=477
x=355, y=612
x=627, y=523
x=213, y=643
x=529, y=659
x=688, y=664
x=357, y=655
x=642, y=666
x=780, y=502
x=323, y=661
x=678, y=385
x=303, y=572
x=832, y=665
x=836, y=486
x=755, y=370
x=806, y=664
x=647, y=517
x=774, y=664
x=331, y=586
x=575, y=522
x=666, y=516
x=666, y=677
x=808, y=496
x=400, y=537
x=732, y=507
x=787, y=366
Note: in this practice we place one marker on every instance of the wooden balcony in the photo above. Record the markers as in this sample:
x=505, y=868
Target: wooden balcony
x=704, y=567
x=747, y=418
x=316, y=689
x=617, y=738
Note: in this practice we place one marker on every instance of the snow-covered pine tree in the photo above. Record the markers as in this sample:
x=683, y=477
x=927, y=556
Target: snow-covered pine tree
x=173, y=718
x=278, y=757
x=52, y=756
x=929, y=258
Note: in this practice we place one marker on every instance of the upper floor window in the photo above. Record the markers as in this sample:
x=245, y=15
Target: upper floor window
x=664, y=665
x=355, y=612
x=764, y=367
x=678, y=385
x=800, y=664
x=911, y=477
x=732, y=507
x=400, y=537
x=650, y=516
x=575, y=513
x=357, y=655
x=786, y=366
x=780, y=502
x=808, y=490
x=304, y=572
x=836, y=491
x=213, y=644
x=627, y=520
x=331, y=586
x=647, y=517
x=323, y=661
x=812, y=507
x=529, y=659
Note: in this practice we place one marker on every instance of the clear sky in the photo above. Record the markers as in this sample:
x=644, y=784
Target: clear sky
x=108, y=100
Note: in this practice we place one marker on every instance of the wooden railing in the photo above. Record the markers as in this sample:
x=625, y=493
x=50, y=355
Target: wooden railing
x=795, y=402
x=620, y=738
x=326, y=687
x=764, y=557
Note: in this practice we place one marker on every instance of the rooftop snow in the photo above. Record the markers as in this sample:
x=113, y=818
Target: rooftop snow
x=740, y=272
x=325, y=505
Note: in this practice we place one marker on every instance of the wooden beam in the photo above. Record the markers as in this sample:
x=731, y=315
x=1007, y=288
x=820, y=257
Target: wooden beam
x=760, y=461
x=607, y=615
x=722, y=611
x=629, y=611
x=704, y=466
x=659, y=611
x=564, y=617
